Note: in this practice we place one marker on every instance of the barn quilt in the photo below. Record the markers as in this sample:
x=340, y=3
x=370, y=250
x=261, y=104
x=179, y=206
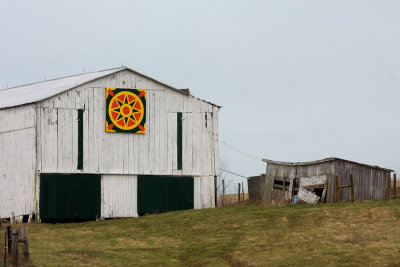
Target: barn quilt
x=125, y=110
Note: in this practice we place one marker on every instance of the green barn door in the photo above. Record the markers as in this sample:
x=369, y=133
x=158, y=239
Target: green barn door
x=158, y=194
x=70, y=196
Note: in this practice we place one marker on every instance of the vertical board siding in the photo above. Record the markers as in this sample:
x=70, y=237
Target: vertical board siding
x=17, y=160
x=50, y=130
x=154, y=152
x=17, y=172
x=215, y=140
x=119, y=196
x=369, y=183
x=115, y=154
x=65, y=139
x=255, y=185
x=17, y=118
x=71, y=196
x=158, y=194
x=203, y=196
x=48, y=136
x=187, y=143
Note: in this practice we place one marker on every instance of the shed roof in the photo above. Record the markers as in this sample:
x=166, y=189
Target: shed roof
x=322, y=161
x=34, y=92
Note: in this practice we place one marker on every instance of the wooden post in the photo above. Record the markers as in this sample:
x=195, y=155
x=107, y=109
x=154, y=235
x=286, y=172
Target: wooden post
x=323, y=197
x=5, y=250
x=9, y=239
x=215, y=191
x=223, y=193
x=352, y=187
x=389, y=181
x=238, y=192
x=14, y=240
x=395, y=186
x=25, y=247
x=337, y=189
x=242, y=192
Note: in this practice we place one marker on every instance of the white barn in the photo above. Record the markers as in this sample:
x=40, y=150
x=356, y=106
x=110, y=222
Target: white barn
x=58, y=162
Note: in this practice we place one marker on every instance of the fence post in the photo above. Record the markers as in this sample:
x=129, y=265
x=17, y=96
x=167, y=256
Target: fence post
x=5, y=250
x=352, y=187
x=238, y=192
x=9, y=241
x=395, y=186
x=389, y=181
x=337, y=189
x=25, y=247
x=242, y=192
x=14, y=240
x=223, y=192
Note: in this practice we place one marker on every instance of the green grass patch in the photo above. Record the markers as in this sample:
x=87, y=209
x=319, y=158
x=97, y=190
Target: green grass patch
x=343, y=234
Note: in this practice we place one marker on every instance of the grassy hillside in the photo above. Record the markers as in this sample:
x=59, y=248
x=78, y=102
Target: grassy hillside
x=342, y=234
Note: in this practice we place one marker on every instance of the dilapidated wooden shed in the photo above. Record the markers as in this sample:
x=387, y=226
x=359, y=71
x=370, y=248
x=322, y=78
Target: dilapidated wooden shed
x=112, y=143
x=283, y=181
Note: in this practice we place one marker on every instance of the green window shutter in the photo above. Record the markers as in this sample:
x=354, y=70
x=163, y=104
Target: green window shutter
x=80, y=139
x=179, y=139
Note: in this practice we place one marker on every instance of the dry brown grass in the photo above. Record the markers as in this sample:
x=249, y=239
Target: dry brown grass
x=397, y=189
x=232, y=199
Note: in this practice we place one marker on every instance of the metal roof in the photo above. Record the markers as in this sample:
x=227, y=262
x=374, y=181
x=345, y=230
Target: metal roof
x=322, y=161
x=34, y=92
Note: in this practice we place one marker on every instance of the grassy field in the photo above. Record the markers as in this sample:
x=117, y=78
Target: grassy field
x=344, y=234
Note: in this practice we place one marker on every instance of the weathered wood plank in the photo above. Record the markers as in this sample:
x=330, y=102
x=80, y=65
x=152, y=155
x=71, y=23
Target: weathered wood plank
x=119, y=196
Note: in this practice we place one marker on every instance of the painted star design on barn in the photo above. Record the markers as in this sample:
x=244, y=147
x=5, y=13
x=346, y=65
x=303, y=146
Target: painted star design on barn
x=128, y=110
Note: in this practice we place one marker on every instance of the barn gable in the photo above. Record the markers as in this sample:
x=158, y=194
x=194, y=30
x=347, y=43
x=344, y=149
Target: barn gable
x=34, y=92
x=119, y=158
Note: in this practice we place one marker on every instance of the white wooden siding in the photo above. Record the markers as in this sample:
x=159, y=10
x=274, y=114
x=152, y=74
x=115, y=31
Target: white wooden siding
x=117, y=153
x=204, y=195
x=118, y=196
x=43, y=138
x=17, y=160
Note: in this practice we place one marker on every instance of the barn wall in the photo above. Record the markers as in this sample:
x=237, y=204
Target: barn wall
x=290, y=172
x=325, y=168
x=204, y=194
x=369, y=183
x=17, y=160
x=118, y=196
x=119, y=153
x=255, y=185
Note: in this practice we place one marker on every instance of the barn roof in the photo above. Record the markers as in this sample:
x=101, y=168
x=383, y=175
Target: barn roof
x=34, y=92
x=322, y=161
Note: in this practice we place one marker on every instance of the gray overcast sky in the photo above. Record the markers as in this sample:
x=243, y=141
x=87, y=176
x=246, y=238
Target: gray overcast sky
x=298, y=80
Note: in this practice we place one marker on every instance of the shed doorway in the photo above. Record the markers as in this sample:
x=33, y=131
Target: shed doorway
x=157, y=194
x=69, y=197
